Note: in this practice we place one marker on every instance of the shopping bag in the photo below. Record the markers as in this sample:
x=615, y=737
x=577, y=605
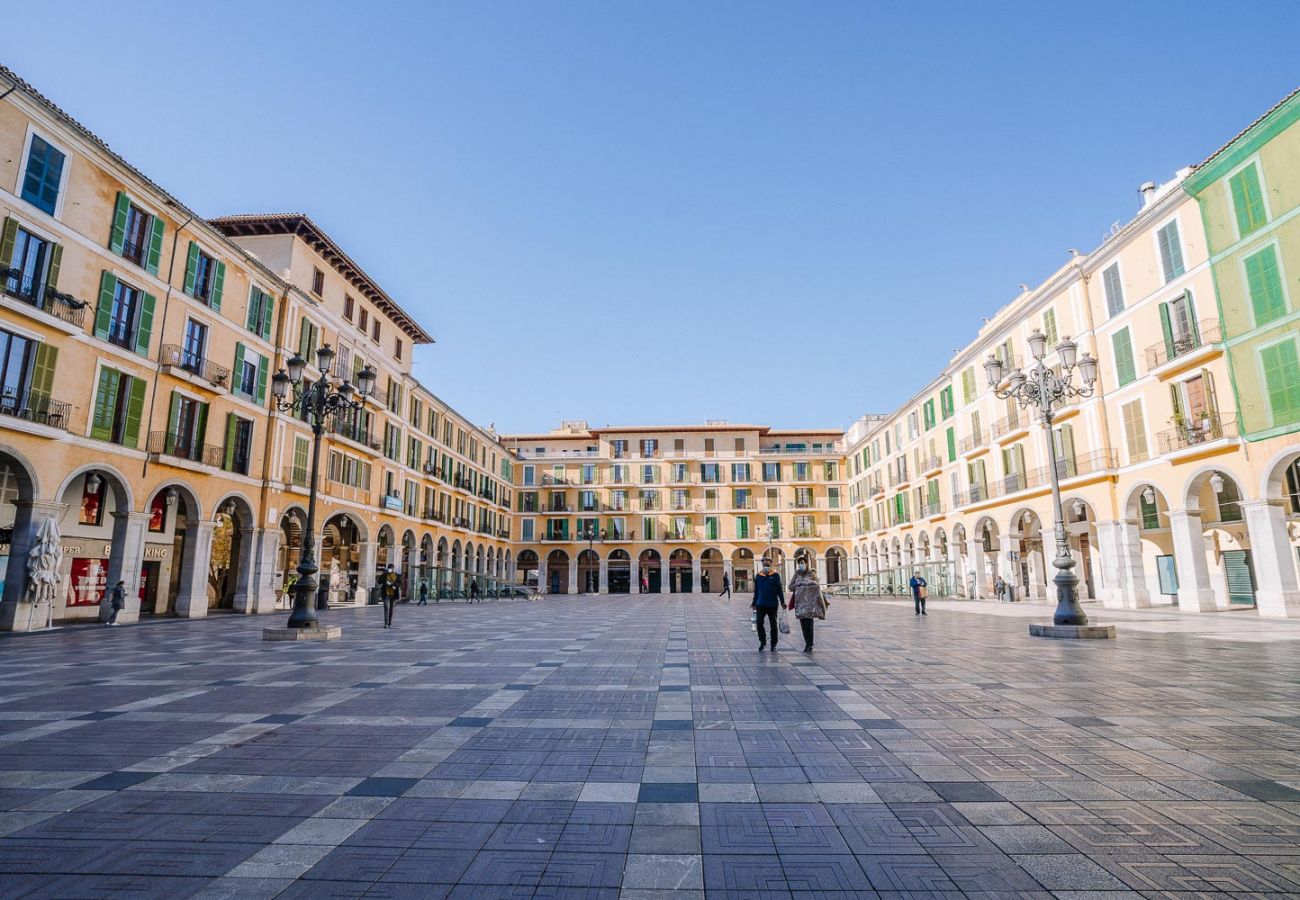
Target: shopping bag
x=783, y=623
x=920, y=592
x=753, y=620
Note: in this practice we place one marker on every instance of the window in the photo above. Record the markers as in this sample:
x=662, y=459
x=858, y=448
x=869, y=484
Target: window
x=44, y=175
x=527, y=529
x=647, y=528
x=364, y=321
x=195, y=345
x=261, y=310
x=136, y=235
x=1148, y=512
x=1125, y=367
x=649, y=447
x=951, y=436
x=374, y=330
x=317, y=282
x=649, y=475
x=1264, y=283
x=1049, y=327
x=397, y=348
x=1113, y=289
x=124, y=315
x=710, y=473
x=946, y=405
x=204, y=277
x=1171, y=251
x=928, y=410
x=771, y=471
x=742, y=528
x=187, y=424
x=16, y=353
x=349, y=306
x=968, y=384
x=1280, y=365
x=1247, y=200
x=740, y=471
x=740, y=445
x=34, y=262
x=1135, y=433
x=239, y=444
x=711, y=528
x=308, y=337
x=618, y=449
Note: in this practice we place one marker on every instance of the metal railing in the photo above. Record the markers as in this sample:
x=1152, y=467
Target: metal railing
x=974, y=440
x=38, y=408
x=1205, y=332
x=179, y=446
x=64, y=307
x=1014, y=422
x=176, y=356
x=1208, y=428
x=931, y=463
x=354, y=432
x=931, y=509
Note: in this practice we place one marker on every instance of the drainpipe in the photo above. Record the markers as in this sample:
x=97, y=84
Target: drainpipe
x=162, y=330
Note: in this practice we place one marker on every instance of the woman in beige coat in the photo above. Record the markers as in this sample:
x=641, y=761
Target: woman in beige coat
x=807, y=600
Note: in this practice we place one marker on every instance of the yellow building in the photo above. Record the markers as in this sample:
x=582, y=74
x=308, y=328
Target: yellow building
x=675, y=508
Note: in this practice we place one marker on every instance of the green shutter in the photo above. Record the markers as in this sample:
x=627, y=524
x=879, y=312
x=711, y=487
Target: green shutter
x=300, y=448
x=253, y=320
x=1125, y=370
x=311, y=345
x=1176, y=402
x=268, y=316
x=1247, y=200
x=952, y=445
x=56, y=261
x=218, y=282
x=263, y=365
x=1265, y=285
x=173, y=422
x=201, y=425
x=1281, y=366
x=145, y=329
x=117, y=237
x=1168, y=329
x=104, y=313
x=1211, y=399
x=237, y=379
x=304, y=338
x=104, y=410
x=191, y=267
x=134, y=413
x=155, y=246
x=47, y=356
x=8, y=238
x=228, y=458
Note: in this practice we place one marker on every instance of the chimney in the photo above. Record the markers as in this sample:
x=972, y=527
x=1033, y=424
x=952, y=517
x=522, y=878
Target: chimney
x=1147, y=192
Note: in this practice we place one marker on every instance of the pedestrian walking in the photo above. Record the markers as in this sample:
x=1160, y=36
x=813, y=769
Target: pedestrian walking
x=808, y=601
x=473, y=589
x=1000, y=588
x=769, y=596
x=918, y=586
x=424, y=594
x=645, y=584
x=116, y=601
x=389, y=588
x=726, y=586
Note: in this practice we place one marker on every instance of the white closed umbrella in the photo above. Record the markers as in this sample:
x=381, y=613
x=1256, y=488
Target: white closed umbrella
x=44, y=562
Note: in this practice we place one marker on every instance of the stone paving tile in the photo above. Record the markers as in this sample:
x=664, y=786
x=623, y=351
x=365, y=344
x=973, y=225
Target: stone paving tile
x=640, y=748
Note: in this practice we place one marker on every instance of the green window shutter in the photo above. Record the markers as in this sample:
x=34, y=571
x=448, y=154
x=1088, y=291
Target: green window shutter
x=228, y=457
x=145, y=329
x=56, y=261
x=1211, y=399
x=952, y=445
x=47, y=356
x=1049, y=327
x=1125, y=369
x=253, y=321
x=1171, y=252
x=1281, y=366
x=300, y=448
x=8, y=238
x=1265, y=285
x=155, y=246
x=104, y=313
x=191, y=268
x=1167, y=328
x=239, y=365
x=105, y=407
x=263, y=364
x=268, y=316
x=1247, y=200
x=304, y=335
x=218, y=282
x=1114, y=290
x=173, y=422
x=117, y=237
x=134, y=413
x=201, y=424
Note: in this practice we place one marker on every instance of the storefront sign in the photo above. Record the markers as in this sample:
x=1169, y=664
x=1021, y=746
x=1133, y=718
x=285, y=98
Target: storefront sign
x=86, y=581
x=391, y=502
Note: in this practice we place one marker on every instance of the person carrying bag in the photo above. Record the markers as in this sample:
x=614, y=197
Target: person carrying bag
x=808, y=601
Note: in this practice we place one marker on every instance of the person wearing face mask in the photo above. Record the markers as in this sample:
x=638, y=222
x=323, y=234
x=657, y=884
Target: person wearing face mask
x=807, y=601
x=769, y=596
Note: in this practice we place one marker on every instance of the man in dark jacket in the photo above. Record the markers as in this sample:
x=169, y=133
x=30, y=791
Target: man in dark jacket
x=919, y=590
x=769, y=595
x=389, y=587
x=116, y=602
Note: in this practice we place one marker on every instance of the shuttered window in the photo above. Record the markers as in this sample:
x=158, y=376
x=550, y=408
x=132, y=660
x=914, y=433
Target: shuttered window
x=44, y=175
x=1135, y=433
x=1264, y=282
x=1113, y=290
x=1281, y=368
x=1049, y=327
x=968, y=384
x=1125, y=367
x=118, y=408
x=1171, y=251
x=205, y=277
x=1247, y=200
x=261, y=312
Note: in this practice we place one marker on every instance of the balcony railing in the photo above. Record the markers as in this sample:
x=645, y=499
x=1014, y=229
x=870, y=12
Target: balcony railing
x=1081, y=464
x=1199, y=431
x=896, y=480
x=1014, y=422
x=38, y=408
x=64, y=307
x=1206, y=332
x=931, y=509
x=354, y=432
x=177, y=357
x=875, y=486
x=932, y=463
x=179, y=446
x=974, y=440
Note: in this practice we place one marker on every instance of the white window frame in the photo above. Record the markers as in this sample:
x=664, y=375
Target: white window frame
x=32, y=130
x=1155, y=243
x=1281, y=274
x=1117, y=264
x=1141, y=400
x=1259, y=370
x=1263, y=191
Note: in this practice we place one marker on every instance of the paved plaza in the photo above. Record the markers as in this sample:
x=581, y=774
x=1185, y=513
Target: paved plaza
x=641, y=748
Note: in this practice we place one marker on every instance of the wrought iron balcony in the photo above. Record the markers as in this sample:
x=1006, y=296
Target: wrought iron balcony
x=1205, y=332
x=1014, y=422
x=64, y=307
x=974, y=440
x=354, y=432
x=33, y=407
x=180, y=446
x=175, y=356
x=1212, y=427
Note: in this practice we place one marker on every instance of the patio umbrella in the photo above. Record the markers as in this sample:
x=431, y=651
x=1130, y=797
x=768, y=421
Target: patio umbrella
x=44, y=561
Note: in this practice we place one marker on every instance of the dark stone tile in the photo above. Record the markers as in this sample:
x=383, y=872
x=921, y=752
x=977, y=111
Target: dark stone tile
x=668, y=792
x=115, y=781
x=383, y=787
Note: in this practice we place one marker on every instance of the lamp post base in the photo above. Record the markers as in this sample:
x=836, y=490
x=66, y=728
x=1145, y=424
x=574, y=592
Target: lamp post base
x=319, y=633
x=1073, y=632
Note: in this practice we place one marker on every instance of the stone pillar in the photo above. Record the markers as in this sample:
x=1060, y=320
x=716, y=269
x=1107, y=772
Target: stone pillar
x=129, y=529
x=1123, y=580
x=665, y=576
x=196, y=554
x=975, y=556
x=1195, y=593
x=16, y=615
x=255, y=592
x=1004, y=566
x=604, y=576
x=1277, y=592
x=365, y=570
x=573, y=575
x=955, y=569
x=696, y=586
x=821, y=567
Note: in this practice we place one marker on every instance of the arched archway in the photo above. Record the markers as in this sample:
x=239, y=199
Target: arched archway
x=385, y=549
x=340, y=560
x=292, y=522
x=1029, y=565
x=1275, y=537
x=680, y=576
x=407, y=564
x=231, y=568
x=835, y=565
x=1212, y=548
x=428, y=555
x=1081, y=532
x=712, y=568
x=619, y=572
x=557, y=572
x=99, y=514
x=20, y=519
x=988, y=558
x=588, y=572
x=526, y=567
x=650, y=571
x=742, y=570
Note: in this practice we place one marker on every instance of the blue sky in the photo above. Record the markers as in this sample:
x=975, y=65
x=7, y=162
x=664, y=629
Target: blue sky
x=784, y=213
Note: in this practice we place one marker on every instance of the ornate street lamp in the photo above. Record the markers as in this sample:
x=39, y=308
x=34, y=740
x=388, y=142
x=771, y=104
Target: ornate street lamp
x=1043, y=390
x=316, y=402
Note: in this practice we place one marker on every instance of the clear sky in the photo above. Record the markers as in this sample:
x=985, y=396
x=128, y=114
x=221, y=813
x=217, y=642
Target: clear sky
x=661, y=212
